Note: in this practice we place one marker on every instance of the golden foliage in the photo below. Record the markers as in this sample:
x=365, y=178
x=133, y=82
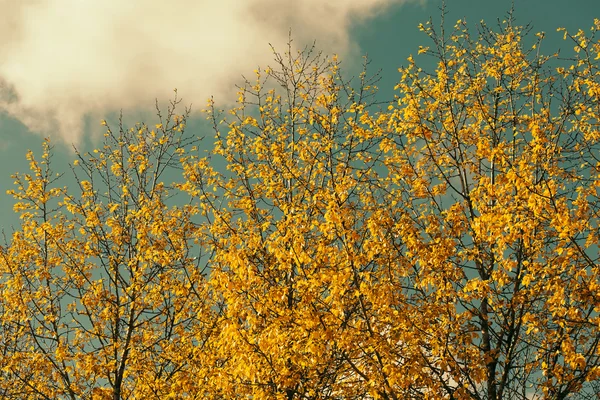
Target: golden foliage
x=443, y=246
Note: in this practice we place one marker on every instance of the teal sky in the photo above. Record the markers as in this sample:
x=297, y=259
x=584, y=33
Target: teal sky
x=388, y=39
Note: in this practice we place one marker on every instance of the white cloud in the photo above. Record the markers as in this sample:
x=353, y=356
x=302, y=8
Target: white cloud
x=61, y=60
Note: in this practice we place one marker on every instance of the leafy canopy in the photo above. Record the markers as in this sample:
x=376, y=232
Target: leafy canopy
x=442, y=245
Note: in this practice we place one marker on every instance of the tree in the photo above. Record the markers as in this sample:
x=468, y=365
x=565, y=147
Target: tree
x=500, y=160
x=101, y=286
x=444, y=245
x=293, y=252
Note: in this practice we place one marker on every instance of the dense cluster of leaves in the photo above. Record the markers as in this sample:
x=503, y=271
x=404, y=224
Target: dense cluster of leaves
x=443, y=247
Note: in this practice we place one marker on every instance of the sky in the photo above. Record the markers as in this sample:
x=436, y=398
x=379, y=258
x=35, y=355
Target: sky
x=67, y=64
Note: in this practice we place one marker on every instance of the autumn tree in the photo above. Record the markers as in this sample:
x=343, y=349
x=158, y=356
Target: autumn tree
x=102, y=283
x=498, y=163
x=443, y=245
x=293, y=252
